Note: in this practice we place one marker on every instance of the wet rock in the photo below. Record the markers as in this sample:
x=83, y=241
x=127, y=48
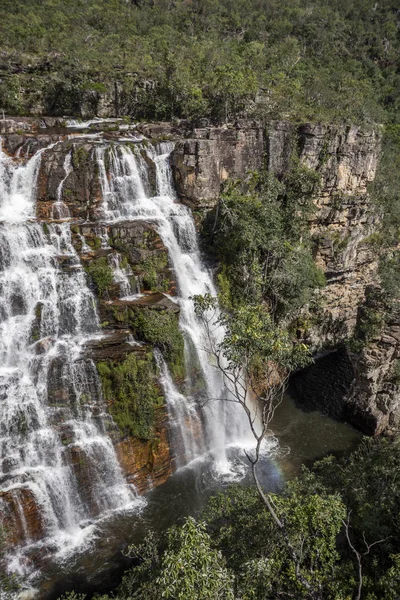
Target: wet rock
x=21, y=516
x=115, y=346
x=79, y=188
x=147, y=464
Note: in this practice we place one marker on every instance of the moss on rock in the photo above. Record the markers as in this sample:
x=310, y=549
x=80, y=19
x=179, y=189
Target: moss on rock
x=152, y=272
x=159, y=328
x=130, y=388
x=101, y=274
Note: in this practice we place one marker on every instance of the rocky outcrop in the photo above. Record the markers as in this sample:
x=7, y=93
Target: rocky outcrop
x=212, y=155
x=346, y=160
x=359, y=382
x=374, y=398
x=144, y=464
x=21, y=516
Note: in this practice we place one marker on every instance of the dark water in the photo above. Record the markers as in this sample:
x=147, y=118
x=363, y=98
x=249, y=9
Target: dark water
x=303, y=437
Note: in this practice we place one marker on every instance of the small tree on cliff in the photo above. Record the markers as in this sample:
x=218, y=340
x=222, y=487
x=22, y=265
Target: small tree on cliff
x=255, y=358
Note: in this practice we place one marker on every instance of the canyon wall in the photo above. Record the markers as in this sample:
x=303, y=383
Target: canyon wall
x=124, y=258
x=364, y=389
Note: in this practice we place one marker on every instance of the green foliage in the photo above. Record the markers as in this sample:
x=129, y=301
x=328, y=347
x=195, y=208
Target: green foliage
x=102, y=275
x=72, y=596
x=152, y=270
x=389, y=271
x=371, y=318
x=188, y=568
x=369, y=325
x=80, y=158
x=161, y=328
x=139, y=582
x=385, y=190
x=252, y=335
x=239, y=553
x=259, y=235
x=368, y=484
x=243, y=529
x=222, y=59
x=131, y=390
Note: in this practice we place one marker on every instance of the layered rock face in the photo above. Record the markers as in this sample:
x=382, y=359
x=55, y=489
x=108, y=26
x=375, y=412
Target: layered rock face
x=126, y=257
x=212, y=155
x=346, y=158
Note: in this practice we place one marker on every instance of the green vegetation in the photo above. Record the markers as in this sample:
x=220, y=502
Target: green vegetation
x=152, y=272
x=93, y=242
x=302, y=59
x=385, y=193
x=371, y=318
x=259, y=235
x=131, y=390
x=158, y=328
x=342, y=516
x=80, y=158
x=101, y=274
x=188, y=568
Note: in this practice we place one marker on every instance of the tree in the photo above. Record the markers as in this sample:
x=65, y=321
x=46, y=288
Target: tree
x=255, y=358
x=244, y=530
x=260, y=236
x=188, y=568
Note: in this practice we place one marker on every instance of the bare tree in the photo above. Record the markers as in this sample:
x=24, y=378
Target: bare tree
x=255, y=359
x=359, y=555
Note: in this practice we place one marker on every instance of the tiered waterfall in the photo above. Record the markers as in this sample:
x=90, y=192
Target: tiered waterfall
x=52, y=412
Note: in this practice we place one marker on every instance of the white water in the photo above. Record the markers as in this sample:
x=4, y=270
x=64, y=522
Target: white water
x=52, y=414
x=60, y=209
x=126, y=196
x=184, y=417
x=49, y=393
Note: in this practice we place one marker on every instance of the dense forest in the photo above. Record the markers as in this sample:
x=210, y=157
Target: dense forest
x=343, y=515
x=218, y=59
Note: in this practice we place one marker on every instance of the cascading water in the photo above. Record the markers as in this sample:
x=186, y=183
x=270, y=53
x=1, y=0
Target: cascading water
x=55, y=454
x=126, y=187
x=60, y=210
x=52, y=416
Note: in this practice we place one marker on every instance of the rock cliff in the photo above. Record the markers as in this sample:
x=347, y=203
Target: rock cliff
x=342, y=228
x=356, y=384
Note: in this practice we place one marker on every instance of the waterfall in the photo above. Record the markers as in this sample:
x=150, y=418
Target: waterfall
x=127, y=194
x=60, y=210
x=58, y=468
x=52, y=415
x=183, y=415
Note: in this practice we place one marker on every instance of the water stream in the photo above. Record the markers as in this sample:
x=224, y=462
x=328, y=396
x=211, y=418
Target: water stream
x=127, y=194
